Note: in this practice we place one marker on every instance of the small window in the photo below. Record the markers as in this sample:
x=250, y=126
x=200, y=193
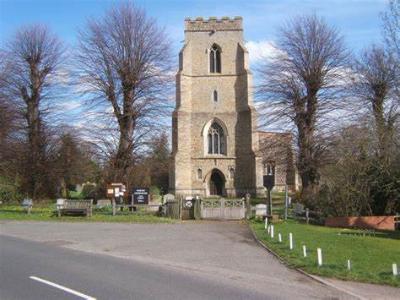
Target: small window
x=215, y=96
x=199, y=174
x=215, y=59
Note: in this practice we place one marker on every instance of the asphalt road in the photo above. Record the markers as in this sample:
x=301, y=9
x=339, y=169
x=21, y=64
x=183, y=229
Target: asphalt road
x=99, y=276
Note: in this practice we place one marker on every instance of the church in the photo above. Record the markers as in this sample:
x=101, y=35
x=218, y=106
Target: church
x=216, y=147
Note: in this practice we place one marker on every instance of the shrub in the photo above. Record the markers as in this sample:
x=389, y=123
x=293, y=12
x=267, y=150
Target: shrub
x=9, y=192
x=89, y=191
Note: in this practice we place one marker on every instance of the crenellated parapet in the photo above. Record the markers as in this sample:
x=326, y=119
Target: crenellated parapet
x=213, y=23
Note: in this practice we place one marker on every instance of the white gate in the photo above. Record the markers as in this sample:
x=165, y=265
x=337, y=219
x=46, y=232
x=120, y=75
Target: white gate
x=227, y=209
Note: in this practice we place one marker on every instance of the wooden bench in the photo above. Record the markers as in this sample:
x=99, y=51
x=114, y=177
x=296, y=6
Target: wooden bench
x=69, y=206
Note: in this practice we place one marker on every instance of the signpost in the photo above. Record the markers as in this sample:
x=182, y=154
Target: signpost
x=140, y=195
x=269, y=183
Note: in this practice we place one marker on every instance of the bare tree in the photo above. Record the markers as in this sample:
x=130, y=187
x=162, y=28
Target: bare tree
x=376, y=87
x=123, y=64
x=32, y=58
x=391, y=27
x=303, y=86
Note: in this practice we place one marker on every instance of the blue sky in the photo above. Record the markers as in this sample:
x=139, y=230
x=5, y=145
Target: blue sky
x=358, y=20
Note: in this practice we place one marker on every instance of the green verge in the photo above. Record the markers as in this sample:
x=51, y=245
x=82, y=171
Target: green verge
x=371, y=256
x=47, y=213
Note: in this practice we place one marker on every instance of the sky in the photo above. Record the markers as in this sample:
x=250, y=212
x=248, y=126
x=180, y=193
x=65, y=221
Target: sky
x=358, y=21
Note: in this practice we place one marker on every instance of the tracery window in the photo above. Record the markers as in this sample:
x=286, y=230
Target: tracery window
x=215, y=59
x=216, y=139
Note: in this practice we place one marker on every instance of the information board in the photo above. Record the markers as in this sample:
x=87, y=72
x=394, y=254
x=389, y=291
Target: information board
x=140, y=195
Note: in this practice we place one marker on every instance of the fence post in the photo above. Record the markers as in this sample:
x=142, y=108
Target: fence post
x=180, y=207
x=286, y=201
x=307, y=215
x=290, y=241
x=279, y=237
x=304, y=251
x=394, y=269
x=272, y=231
x=319, y=253
x=348, y=264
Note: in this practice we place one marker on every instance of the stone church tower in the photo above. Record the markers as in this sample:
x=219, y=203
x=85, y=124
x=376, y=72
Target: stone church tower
x=214, y=137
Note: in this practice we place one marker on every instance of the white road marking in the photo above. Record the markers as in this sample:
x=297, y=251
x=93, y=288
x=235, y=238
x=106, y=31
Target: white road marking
x=68, y=290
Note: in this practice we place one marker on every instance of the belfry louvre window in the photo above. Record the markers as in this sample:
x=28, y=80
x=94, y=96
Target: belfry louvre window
x=216, y=139
x=215, y=59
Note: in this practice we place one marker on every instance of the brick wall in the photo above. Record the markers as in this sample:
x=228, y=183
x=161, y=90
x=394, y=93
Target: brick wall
x=373, y=222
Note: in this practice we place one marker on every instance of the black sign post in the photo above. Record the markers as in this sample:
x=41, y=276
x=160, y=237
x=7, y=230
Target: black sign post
x=269, y=183
x=140, y=196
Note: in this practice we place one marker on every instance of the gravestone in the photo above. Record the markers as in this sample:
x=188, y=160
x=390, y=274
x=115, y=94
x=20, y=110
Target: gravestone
x=298, y=209
x=168, y=198
x=261, y=210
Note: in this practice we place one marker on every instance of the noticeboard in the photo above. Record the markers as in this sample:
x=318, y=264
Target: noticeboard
x=140, y=195
x=116, y=190
x=269, y=181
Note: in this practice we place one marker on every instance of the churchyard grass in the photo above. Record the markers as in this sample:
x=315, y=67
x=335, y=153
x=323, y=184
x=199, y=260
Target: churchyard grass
x=46, y=212
x=371, y=256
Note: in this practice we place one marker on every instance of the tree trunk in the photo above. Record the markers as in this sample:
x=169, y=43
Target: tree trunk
x=307, y=166
x=35, y=155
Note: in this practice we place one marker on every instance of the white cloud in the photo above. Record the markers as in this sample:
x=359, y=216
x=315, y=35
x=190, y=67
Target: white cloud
x=262, y=50
x=70, y=105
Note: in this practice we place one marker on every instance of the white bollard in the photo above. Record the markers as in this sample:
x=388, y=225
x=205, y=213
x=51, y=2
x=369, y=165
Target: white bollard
x=266, y=223
x=290, y=241
x=319, y=253
x=304, y=251
x=268, y=229
x=272, y=231
x=280, y=237
x=348, y=264
x=394, y=268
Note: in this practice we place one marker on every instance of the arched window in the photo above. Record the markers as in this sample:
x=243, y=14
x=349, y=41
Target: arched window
x=215, y=96
x=215, y=59
x=216, y=139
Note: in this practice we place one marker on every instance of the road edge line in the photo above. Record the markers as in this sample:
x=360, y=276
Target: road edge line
x=63, y=288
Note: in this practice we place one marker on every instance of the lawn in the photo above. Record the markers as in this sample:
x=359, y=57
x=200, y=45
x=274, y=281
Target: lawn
x=46, y=212
x=371, y=256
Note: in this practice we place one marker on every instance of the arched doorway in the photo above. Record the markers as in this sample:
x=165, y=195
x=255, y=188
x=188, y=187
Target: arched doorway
x=217, y=183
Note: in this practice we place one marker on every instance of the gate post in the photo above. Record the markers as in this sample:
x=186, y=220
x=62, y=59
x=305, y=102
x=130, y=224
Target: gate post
x=248, y=207
x=197, y=208
x=222, y=214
